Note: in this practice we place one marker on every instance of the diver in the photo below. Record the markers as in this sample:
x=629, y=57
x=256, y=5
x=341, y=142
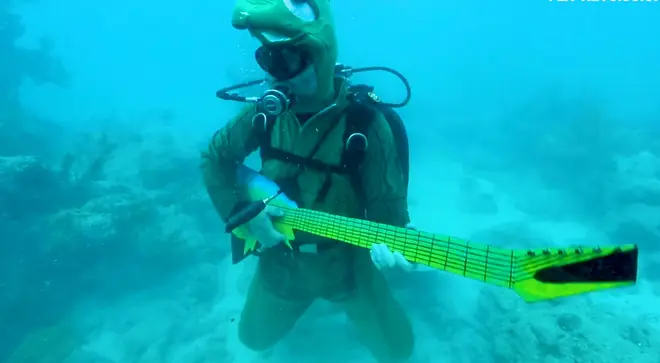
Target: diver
x=331, y=146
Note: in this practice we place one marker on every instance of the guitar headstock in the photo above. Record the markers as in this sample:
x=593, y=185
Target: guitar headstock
x=544, y=274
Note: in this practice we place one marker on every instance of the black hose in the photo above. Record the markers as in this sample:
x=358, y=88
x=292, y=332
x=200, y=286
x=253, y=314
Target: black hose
x=389, y=70
x=225, y=93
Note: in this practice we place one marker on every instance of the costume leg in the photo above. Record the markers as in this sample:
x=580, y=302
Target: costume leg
x=381, y=322
x=267, y=318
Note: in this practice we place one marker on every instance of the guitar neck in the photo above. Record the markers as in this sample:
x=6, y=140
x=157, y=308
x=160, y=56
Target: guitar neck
x=538, y=274
x=476, y=261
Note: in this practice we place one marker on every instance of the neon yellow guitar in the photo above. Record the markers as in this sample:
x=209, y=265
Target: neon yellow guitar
x=536, y=275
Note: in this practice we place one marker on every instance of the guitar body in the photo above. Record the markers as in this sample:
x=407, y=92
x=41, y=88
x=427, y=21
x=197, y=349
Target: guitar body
x=257, y=187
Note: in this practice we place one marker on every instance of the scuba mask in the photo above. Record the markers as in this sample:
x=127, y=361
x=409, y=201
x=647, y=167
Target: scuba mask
x=282, y=62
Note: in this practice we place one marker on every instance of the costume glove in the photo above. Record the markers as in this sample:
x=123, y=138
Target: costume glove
x=262, y=229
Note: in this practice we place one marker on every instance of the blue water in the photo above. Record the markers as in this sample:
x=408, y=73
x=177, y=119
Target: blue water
x=532, y=124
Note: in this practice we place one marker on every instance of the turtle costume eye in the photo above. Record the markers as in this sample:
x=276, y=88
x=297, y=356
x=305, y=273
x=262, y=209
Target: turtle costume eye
x=295, y=35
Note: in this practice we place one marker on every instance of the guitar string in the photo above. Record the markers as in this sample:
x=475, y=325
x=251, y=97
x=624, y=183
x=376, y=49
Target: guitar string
x=523, y=261
x=522, y=264
x=482, y=268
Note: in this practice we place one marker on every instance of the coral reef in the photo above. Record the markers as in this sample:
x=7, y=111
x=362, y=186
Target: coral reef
x=78, y=233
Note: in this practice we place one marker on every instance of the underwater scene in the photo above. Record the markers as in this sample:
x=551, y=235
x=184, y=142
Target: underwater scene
x=330, y=181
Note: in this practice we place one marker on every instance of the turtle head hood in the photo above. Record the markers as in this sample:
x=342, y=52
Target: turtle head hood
x=304, y=24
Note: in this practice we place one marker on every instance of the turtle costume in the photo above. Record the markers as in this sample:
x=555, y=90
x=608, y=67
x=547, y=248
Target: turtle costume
x=303, y=149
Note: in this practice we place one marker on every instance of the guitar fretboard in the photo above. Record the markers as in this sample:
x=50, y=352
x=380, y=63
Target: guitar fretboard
x=489, y=264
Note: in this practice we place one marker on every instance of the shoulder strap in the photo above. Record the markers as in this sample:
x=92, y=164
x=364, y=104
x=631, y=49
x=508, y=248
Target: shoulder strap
x=358, y=120
x=400, y=139
x=263, y=128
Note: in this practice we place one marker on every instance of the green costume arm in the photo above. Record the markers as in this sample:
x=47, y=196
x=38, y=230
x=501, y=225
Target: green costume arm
x=229, y=147
x=385, y=189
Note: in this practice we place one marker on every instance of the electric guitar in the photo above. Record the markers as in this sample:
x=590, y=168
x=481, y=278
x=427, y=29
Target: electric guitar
x=535, y=275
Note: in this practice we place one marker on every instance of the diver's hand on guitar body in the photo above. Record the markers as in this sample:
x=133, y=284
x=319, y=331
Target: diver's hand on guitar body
x=262, y=229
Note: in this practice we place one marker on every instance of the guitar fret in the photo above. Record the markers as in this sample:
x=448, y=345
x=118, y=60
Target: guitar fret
x=465, y=259
x=431, y=248
x=334, y=227
x=486, y=263
x=446, y=252
x=377, y=234
x=511, y=271
x=419, y=238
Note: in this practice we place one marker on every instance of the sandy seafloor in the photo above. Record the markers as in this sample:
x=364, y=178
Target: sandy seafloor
x=455, y=320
